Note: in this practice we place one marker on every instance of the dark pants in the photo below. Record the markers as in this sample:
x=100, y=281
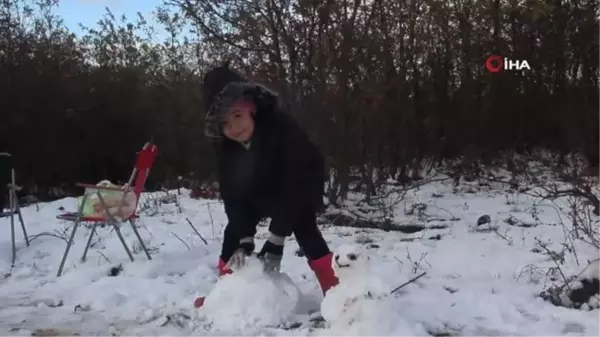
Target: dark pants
x=305, y=231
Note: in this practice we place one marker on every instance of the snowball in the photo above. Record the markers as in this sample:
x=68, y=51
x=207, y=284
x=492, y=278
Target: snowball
x=249, y=298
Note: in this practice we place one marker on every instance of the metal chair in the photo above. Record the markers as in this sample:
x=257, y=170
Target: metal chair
x=9, y=188
x=112, y=214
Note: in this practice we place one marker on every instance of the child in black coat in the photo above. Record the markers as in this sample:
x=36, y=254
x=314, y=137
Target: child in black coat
x=268, y=167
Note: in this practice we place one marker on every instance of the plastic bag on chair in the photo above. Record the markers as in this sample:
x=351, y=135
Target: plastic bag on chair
x=120, y=204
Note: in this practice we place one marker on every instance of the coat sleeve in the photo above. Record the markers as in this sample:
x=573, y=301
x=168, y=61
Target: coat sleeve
x=294, y=182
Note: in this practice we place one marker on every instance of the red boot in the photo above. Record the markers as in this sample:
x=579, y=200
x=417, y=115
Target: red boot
x=324, y=272
x=223, y=270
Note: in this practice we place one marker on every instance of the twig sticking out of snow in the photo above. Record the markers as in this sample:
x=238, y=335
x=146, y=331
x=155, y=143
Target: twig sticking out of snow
x=408, y=282
x=195, y=230
x=104, y=256
x=212, y=221
x=180, y=239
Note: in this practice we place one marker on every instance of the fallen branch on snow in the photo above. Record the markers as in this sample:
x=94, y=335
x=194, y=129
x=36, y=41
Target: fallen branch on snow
x=408, y=282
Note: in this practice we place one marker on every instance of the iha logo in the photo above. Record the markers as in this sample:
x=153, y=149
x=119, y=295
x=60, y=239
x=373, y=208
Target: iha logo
x=497, y=63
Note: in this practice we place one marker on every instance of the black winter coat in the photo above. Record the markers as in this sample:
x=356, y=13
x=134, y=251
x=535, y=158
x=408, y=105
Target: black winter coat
x=281, y=175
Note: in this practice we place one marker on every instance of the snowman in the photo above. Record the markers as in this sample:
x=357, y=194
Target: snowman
x=361, y=304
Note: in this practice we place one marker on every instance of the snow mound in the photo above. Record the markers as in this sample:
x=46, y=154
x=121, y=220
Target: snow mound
x=584, y=292
x=249, y=298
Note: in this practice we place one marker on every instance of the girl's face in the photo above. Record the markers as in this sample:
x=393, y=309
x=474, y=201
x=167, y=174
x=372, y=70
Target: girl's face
x=239, y=124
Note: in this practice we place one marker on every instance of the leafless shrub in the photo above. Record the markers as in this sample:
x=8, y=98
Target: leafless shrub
x=150, y=203
x=416, y=264
x=580, y=204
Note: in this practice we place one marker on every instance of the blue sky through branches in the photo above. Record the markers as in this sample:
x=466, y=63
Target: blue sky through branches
x=88, y=12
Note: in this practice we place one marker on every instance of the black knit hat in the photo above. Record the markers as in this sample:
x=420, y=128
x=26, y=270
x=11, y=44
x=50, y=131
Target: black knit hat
x=216, y=80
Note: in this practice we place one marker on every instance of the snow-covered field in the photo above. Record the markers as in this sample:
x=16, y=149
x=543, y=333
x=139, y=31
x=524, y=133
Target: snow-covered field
x=481, y=280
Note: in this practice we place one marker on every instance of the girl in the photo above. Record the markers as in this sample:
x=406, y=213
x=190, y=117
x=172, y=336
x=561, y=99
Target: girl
x=268, y=167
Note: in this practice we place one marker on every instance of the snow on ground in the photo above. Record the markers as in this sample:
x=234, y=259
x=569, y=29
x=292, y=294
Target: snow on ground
x=479, y=281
